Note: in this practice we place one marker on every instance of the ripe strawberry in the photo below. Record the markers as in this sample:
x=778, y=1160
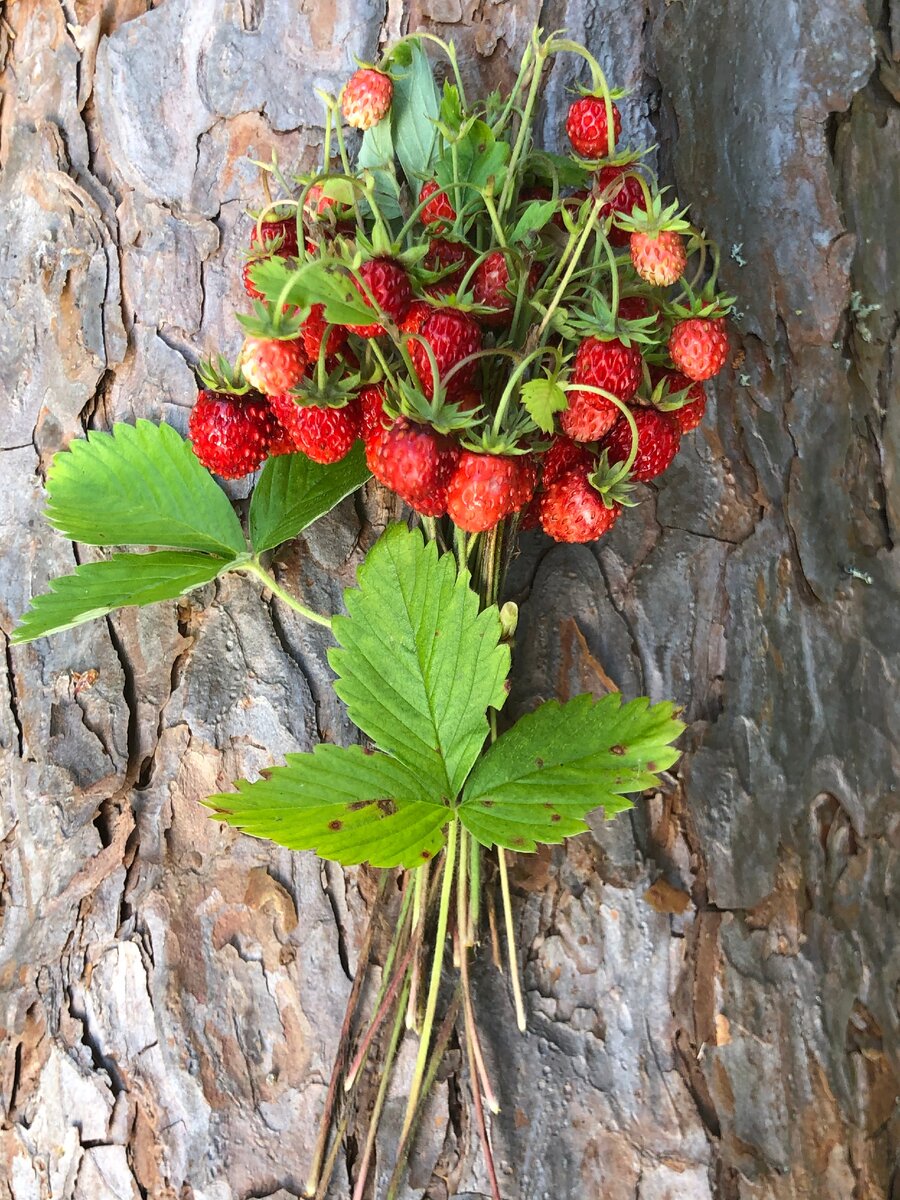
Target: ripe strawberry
x=282, y=442
x=278, y=239
x=633, y=308
x=367, y=98
x=442, y=253
x=326, y=435
x=699, y=347
x=231, y=434
x=272, y=364
x=452, y=336
x=660, y=260
x=689, y=416
x=624, y=199
x=610, y=365
x=416, y=463
x=588, y=417
x=493, y=287
x=658, y=442
x=573, y=511
x=563, y=456
x=372, y=419
x=439, y=211
x=588, y=127
x=417, y=314
x=313, y=331
x=485, y=488
x=389, y=285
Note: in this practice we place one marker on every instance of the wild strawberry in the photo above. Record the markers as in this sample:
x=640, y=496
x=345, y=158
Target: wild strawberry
x=452, y=336
x=367, y=98
x=272, y=364
x=231, y=434
x=660, y=260
x=623, y=201
x=439, y=211
x=326, y=435
x=588, y=127
x=485, y=488
x=633, y=308
x=372, y=419
x=589, y=417
x=416, y=463
x=278, y=239
x=389, y=284
x=699, y=347
x=658, y=442
x=689, y=416
x=442, y=254
x=417, y=314
x=562, y=456
x=282, y=442
x=313, y=331
x=573, y=511
x=608, y=364
x=493, y=287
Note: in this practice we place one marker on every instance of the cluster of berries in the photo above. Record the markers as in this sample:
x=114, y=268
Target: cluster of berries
x=527, y=343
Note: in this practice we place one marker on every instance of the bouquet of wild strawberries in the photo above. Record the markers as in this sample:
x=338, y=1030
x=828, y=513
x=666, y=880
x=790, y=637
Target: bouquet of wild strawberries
x=505, y=337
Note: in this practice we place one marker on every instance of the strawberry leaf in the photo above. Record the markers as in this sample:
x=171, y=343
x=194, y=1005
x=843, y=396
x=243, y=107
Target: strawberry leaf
x=544, y=775
x=314, y=282
x=414, y=110
x=376, y=154
x=535, y=217
x=542, y=398
x=96, y=588
x=479, y=158
x=343, y=803
x=418, y=664
x=141, y=485
x=293, y=491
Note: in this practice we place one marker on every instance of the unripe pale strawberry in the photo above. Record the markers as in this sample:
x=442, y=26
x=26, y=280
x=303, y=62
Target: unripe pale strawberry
x=272, y=364
x=367, y=98
x=660, y=260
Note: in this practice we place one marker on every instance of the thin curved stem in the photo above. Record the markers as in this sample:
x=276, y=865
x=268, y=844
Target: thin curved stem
x=511, y=941
x=253, y=568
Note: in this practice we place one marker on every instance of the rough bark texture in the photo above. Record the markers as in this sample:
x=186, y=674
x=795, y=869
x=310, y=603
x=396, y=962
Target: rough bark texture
x=712, y=984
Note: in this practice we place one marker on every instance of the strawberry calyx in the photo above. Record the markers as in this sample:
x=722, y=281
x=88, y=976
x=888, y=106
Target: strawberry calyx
x=613, y=482
x=220, y=375
x=332, y=390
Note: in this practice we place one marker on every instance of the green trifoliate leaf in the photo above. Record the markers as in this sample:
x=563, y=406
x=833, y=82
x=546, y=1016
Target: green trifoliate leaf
x=315, y=282
x=95, y=589
x=293, y=491
x=418, y=664
x=542, y=777
x=535, y=217
x=542, y=398
x=141, y=485
x=343, y=803
x=414, y=110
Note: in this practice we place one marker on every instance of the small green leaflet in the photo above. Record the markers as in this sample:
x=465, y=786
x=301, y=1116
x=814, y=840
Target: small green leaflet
x=542, y=398
x=479, y=157
x=414, y=110
x=95, y=589
x=535, y=217
x=451, y=107
x=343, y=803
x=141, y=485
x=555, y=765
x=418, y=664
x=311, y=283
x=376, y=154
x=293, y=491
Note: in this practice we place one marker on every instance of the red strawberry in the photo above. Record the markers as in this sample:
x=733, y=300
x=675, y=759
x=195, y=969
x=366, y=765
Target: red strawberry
x=452, y=336
x=573, y=511
x=313, y=330
x=416, y=463
x=492, y=286
x=272, y=364
x=658, y=442
x=485, y=488
x=610, y=365
x=699, y=347
x=660, y=260
x=367, y=98
x=417, y=314
x=442, y=253
x=563, y=455
x=326, y=435
x=439, y=211
x=389, y=285
x=588, y=417
x=279, y=236
x=372, y=417
x=689, y=416
x=588, y=127
x=282, y=442
x=624, y=199
x=633, y=308
x=231, y=434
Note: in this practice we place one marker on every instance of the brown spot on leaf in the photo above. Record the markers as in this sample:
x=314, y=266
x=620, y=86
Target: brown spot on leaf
x=487, y=804
x=357, y=805
x=617, y=749
x=556, y=817
x=387, y=807
x=335, y=825
x=538, y=762
x=426, y=854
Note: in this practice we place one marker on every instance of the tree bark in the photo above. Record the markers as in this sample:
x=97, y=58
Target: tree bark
x=712, y=982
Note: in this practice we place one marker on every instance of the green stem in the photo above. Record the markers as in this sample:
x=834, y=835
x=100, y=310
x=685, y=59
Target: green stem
x=567, y=275
x=524, y=127
x=434, y=985
x=253, y=568
x=511, y=940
